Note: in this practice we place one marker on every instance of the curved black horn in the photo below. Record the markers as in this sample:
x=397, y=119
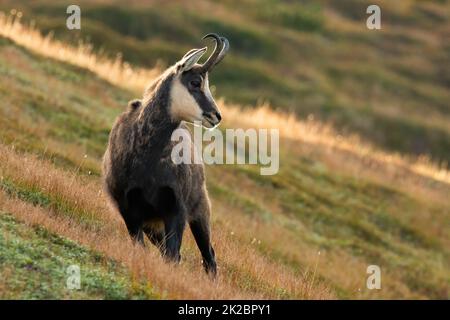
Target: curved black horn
x=217, y=50
x=225, y=47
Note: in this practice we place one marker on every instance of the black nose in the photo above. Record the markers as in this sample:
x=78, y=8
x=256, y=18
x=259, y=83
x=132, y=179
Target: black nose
x=219, y=117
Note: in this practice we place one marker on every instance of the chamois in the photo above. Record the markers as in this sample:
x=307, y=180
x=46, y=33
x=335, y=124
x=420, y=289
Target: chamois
x=155, y=196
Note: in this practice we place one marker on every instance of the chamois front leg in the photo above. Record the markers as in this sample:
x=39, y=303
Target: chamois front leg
x=201, y=230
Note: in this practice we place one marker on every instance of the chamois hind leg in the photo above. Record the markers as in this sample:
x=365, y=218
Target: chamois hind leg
x=135, y=230
x=155, y=233
x=200, y=228
x=174, y=228
x=134, y=214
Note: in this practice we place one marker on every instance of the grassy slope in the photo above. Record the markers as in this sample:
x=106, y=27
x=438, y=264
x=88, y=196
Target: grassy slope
x=311, y=57
x=354, y=215
x=42, y=258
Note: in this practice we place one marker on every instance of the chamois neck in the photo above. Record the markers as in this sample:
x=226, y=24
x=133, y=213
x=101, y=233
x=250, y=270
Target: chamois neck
x=154, y=121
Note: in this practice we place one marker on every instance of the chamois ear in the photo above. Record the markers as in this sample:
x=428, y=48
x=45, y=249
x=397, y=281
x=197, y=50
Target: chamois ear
x=190, y=59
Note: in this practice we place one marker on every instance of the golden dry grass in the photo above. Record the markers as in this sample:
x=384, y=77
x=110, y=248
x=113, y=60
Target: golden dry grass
x=116, y=71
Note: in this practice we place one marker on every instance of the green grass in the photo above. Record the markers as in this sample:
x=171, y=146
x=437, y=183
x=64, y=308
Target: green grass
x=332, y=211
x=54, y=203
x=34, y=262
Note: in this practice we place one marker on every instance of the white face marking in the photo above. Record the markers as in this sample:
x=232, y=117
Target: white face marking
x=183, y=105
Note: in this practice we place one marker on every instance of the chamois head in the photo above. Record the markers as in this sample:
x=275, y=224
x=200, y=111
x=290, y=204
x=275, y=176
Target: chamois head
x=191, y=99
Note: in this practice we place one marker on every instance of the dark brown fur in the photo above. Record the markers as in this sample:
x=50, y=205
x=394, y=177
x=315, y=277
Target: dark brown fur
x=154, y=196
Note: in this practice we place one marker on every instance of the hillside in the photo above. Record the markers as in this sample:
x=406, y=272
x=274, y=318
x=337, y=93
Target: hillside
x=315, y=58
x=310, y=231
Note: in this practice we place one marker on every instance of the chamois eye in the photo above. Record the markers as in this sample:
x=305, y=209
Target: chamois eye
x=195, y=84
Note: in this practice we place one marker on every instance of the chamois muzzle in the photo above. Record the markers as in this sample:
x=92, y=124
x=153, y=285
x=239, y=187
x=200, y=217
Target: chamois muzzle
x=220, y=50
x=211, y=119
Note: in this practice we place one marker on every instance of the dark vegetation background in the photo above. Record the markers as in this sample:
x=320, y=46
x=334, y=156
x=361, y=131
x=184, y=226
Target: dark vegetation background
x=315, y=58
